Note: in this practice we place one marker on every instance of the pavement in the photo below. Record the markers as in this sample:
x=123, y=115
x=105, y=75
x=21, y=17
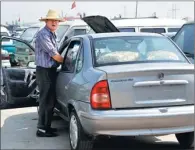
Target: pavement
x=18, y=128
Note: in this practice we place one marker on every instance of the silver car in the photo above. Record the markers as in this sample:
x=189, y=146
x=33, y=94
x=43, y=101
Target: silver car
x=124, y=84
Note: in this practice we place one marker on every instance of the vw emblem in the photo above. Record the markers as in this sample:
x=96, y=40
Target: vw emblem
x=161, y=76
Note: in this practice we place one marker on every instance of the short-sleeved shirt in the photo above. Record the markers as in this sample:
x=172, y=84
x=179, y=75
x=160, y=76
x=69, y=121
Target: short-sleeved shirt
x=45, y=48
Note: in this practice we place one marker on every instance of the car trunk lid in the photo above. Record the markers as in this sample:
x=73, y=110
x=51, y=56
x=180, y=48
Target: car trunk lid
x=150, y=85
x=100, y=24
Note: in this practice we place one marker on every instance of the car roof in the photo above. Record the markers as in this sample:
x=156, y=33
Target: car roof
x=189, y=22
x=114, y=34
x=4, y=29
x=153, y=22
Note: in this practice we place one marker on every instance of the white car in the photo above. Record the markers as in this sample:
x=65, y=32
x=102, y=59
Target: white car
x=5, y=58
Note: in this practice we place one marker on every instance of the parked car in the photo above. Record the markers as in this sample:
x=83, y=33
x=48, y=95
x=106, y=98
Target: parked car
x=185, y=39
x=99, y=84
x=65, y=30
x=5, y=58
x=154, y=25
x=8, y=44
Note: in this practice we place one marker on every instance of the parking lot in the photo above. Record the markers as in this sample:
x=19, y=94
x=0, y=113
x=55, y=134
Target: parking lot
x=18, y=128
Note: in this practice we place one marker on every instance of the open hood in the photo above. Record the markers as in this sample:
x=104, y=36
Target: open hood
x=100, y=24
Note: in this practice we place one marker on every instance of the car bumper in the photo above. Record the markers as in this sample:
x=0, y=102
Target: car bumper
x=147, y=121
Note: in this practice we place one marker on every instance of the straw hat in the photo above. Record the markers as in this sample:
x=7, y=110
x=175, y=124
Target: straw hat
x=52, y=15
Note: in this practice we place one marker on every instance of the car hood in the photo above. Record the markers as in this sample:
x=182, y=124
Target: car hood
x=100, y=24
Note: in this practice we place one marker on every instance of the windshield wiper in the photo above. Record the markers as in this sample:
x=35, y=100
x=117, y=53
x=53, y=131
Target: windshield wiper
x=189, y=54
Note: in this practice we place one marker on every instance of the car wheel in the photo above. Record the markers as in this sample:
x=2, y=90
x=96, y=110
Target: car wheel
x=186, y=140
x=4, y=98
x=78, y=139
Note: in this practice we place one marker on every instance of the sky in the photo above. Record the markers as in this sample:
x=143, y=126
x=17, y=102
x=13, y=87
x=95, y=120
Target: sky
x=32, y=11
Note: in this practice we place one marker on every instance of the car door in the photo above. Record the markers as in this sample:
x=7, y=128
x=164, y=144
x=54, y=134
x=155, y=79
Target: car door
x=67, y=73
x=17, y=79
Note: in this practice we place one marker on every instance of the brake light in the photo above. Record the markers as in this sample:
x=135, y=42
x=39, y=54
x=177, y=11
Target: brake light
x=100, y=96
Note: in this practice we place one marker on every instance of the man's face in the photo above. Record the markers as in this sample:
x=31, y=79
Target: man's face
x=52, y=24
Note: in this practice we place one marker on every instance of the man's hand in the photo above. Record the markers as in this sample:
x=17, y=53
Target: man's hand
x=58, y=58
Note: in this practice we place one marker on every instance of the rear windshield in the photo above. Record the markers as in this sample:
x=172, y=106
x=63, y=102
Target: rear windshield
x=185, y=38
x=126, y=29
x=153, y=30
x=29, y=34
x=173, y=29
x=124, y=50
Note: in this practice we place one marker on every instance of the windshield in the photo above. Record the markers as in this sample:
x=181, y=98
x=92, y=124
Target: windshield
x=61, y=31
x=185, y=38
x=29, y=34
x=122, y=50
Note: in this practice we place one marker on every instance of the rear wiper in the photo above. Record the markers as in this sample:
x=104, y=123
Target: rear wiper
x=189, y=54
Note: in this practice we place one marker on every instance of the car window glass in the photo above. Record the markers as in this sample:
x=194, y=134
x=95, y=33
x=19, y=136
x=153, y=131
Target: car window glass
x=60, y=32
x=122, y=50
x=185, y=38
x=127, y=29
x=153, y=30
x=80, y=61
x=29, y=34
x=19, y=54
x=71, y=56
x=173, y=29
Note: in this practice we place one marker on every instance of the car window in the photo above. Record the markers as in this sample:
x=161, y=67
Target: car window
x=4, y=34
x=122, y=50
x=71, y=56
x=126, y=29
x=23, y=54
x=185, y=38
x=173, y=29
x=76, y=32
x=80, y=61
x=29, y=34
x=60, y=32
x=153, y=30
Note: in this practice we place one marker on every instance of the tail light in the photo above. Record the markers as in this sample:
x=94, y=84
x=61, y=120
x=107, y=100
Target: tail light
x=100, y=96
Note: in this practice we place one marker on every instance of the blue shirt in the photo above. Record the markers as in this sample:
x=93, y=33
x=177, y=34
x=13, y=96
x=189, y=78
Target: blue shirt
x=45, y=48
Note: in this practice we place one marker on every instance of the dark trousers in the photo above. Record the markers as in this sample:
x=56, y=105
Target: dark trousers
x=46, y=80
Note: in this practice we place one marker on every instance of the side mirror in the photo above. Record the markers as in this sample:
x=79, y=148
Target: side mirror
x=31, y=64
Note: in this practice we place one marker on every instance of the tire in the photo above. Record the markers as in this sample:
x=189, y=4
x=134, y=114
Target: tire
x=83, y=142
x=186, y=140
x=4, y=98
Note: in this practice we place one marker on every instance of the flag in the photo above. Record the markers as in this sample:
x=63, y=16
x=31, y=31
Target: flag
x=73, y=5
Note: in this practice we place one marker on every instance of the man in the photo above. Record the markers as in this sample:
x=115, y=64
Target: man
x=47, y=60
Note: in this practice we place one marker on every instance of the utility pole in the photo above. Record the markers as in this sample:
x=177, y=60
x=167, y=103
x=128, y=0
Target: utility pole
x=62, y=13
x=174, y=11
x=136, y=9
x=124, y=11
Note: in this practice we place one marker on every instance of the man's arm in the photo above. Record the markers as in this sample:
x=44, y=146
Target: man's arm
x=48, y=47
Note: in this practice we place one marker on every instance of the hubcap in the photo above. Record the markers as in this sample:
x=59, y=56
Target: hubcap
x=73, y=132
